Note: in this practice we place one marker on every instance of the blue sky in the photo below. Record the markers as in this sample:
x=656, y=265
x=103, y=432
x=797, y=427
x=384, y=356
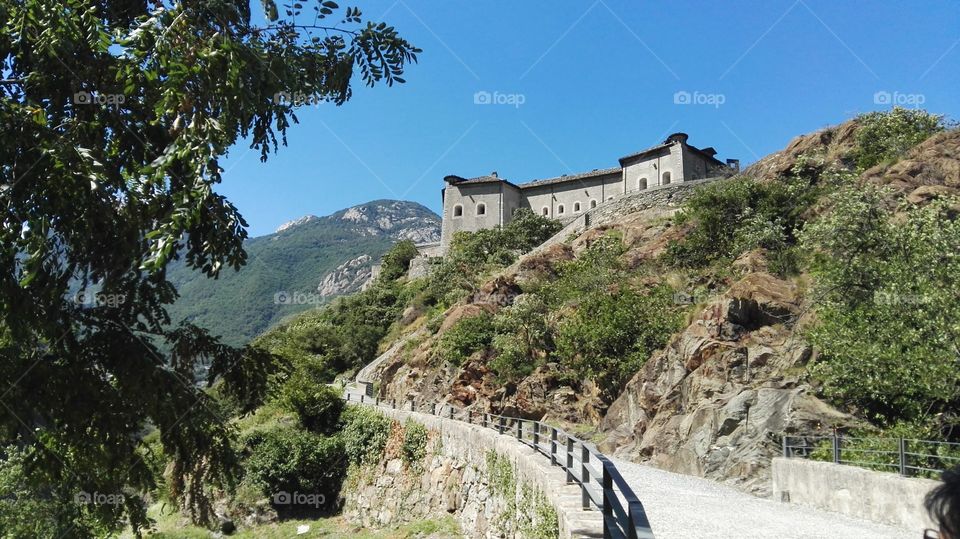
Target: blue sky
x=597, y=80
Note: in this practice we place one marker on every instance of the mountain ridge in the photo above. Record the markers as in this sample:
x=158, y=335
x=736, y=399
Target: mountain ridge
x=305, y=264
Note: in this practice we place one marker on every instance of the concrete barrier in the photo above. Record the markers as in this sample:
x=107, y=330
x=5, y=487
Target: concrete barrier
x=878, y=496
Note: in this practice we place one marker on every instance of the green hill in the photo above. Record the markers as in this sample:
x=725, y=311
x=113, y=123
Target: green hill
x=285, y=269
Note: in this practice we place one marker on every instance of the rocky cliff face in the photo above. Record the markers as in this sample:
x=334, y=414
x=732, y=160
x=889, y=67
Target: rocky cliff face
x=713, y=402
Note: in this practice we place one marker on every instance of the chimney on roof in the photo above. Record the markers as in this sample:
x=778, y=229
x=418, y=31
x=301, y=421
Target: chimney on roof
x=709, y=151
x=494, y=174
x=678, y=137
x=734, y=164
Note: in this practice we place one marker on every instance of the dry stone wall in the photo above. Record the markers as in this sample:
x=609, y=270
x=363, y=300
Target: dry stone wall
x=492, y=484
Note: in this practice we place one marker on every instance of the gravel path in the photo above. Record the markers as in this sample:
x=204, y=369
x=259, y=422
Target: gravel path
x=684, y=507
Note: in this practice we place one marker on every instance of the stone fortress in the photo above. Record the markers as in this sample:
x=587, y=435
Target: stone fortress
x=471, y=204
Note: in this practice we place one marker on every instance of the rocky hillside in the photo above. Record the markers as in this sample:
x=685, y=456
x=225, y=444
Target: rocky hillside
x=305, y=263
x=722, y=383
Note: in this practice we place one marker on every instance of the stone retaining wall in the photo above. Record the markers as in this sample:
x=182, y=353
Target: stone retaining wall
x=661, y=196
x=456, y=478
x=878, y=496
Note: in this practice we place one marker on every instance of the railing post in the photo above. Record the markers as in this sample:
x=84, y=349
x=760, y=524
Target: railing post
x=786, y=447
x=569, y=459
x=902, y=449
x=584, y=477
x=361, y=398
x=348, y=396
x=501, y=426
x=519, y=429
x=376, y=401
x=393, y=403
x=433, y=409
x=484, y=420
x=536, y=436
x=411, y=405
x=553, y=446
x=607, y=505
x=470, y=416
x=836, y=448
x=451, y=411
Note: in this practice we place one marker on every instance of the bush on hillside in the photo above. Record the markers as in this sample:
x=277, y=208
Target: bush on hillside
x=886, y=136
x=468, y=335
x=731, y=217
x=364, y=433
x=523, y=336
x=317, y=406
x=291, y=460
x=886, y=301
x=397, y=260
x=612, y=335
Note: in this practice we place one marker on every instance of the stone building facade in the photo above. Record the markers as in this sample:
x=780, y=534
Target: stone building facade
x=471, y=204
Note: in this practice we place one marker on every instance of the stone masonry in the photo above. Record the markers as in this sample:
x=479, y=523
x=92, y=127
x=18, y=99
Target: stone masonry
x=454, y=479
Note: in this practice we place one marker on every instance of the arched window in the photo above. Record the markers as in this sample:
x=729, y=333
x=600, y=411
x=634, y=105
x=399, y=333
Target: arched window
x=642, y=184
x=560, y=209
x=481, y=209
x=666, y=178
x=593, y=204
x=458, y=211
x=546, y=211
x=576, y=207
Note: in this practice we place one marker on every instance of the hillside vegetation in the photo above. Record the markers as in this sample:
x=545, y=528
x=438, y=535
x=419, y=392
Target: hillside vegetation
x=818, y=287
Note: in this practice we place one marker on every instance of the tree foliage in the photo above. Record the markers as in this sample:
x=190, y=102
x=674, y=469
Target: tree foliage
x=886, y=300
x=885, y=136
x=115, y=118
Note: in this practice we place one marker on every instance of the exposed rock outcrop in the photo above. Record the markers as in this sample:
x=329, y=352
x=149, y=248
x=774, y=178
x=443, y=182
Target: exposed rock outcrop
x=714, y=402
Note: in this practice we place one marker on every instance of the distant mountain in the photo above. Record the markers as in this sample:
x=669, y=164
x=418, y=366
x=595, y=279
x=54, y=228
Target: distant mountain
x=305, y=263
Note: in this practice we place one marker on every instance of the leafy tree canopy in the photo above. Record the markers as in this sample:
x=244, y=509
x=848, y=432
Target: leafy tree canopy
x=115, y=115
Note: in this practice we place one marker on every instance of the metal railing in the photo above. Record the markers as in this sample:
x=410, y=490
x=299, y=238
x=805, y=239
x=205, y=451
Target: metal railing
x=906, y=456
x=602, y=487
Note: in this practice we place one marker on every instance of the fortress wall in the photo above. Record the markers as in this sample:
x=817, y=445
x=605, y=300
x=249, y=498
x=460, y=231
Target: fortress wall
x=671, y=195
x=455, y=478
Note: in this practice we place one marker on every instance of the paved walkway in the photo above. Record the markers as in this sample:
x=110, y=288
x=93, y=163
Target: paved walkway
x=685, y=507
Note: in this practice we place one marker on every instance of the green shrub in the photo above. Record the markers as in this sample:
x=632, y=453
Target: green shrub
x=731, y=217
x=317, y=405
x=290, y=460
x=887, y=136
x=397, y=260
x=468, y=335
x=611, y=335
x=365, y=433
x=523, y=337
x=414, y=448
x=886, y=300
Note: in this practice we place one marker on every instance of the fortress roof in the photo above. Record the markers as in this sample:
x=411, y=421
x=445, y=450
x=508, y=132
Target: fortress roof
x=570, y=177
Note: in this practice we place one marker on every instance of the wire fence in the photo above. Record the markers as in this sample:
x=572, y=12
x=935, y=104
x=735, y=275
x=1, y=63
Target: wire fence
x=602, y=487
x=906, y=456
